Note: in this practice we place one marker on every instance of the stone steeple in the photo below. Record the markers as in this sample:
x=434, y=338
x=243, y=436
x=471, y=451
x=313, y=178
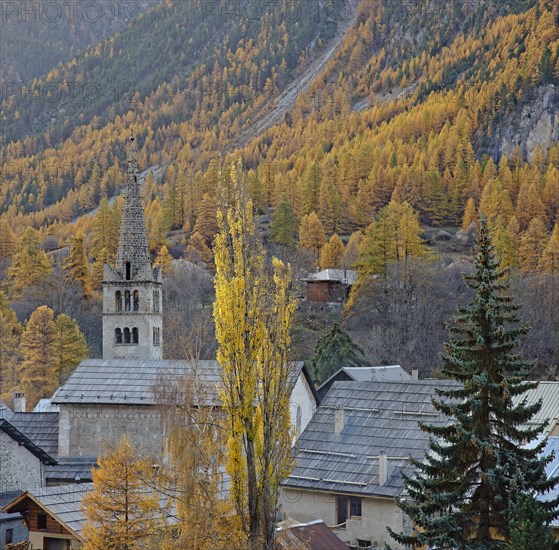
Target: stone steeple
x=132, y=299
x=133, y=250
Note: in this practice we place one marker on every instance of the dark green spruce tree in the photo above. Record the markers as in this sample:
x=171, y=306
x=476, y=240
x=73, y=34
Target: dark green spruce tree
x=528, y=526
x=335, y=350
x=461, y=494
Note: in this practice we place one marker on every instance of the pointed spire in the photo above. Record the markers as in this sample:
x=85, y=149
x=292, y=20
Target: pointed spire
x=133, y=251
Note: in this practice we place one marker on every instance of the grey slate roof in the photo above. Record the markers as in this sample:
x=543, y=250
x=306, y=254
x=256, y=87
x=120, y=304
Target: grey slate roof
x=22, y=439
x=345, y=276
x=41, y=428
x=68, y=470
x=62, y=502
x=548, y=392
x=380, y=417
x=132, y=381
x=5, y=498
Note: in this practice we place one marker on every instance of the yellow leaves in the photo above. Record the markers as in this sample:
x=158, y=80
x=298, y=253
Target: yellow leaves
x=252, y=313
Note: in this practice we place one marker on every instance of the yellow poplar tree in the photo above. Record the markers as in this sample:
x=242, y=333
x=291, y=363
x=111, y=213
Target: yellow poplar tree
x=37, y=372
x=332, y=253
x=10, y=333
x=252, y=313
x=549, y=262
x=120, y=513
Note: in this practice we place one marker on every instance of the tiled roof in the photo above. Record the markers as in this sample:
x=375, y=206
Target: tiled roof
x=132, y=381
x=41, y=428
x=380, y=417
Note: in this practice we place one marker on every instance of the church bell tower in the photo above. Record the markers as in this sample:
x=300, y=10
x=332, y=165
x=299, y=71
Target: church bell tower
x=132, y=301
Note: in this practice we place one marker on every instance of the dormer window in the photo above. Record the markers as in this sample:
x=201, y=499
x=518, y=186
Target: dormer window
x=128, y=271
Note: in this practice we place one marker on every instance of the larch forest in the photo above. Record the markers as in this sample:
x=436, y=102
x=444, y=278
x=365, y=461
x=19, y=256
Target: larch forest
x=272, y=199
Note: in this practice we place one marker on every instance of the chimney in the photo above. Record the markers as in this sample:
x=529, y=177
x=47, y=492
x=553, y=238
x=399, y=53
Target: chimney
x=382, y=468
x=19, y=402
x=415, y=374
x=339, y=421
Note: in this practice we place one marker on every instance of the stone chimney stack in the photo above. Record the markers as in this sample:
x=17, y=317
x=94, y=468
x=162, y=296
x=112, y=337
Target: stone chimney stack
x=382, y=468
x=415, y=374
x=19, y=402
x=339, y=421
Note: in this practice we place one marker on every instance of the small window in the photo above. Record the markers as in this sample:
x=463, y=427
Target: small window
x=134, y=335
x=126, y=335
x=118, y=300
x=156, y=301
x=128, y=271
x=41, y=521
x=136, y=300
x=9, y=536
x=156, y=336
x=118, y=336
x=126, y=300
x=355, y=507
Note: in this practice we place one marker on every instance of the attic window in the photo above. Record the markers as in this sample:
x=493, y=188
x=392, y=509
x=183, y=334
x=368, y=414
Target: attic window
x=41, y=521
x=128, y=275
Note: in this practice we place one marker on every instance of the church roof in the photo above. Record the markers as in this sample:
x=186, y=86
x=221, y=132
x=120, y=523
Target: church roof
x=136, y=381
x=133, y=241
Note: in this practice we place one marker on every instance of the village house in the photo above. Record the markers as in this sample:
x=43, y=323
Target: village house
x=351, y=456
x=329, y=285
x=53, y=516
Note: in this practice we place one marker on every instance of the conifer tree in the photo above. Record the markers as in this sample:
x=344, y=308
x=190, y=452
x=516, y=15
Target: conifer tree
x=335, y=350
x=332, y=253
x=505, y=244
x=549, y=261
x=120, y=513
x=311, y=234
x=164, y=260
x=10, y=333
x=8, y=242
x=30, y=265
x=71, y=347
x=461, y=493
x=197, y=250
x=38, y=371
x=206, y=222
x=470, y=214
x=76, y=265
x=532, y=244
x=528, y=525
x=283, y=224
x=353, y=249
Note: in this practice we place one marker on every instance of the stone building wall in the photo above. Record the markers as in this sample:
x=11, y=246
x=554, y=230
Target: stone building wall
x=19, y=468
x=85, y=429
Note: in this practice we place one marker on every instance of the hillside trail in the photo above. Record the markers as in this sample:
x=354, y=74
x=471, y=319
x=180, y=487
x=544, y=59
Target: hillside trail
x=301, y=83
